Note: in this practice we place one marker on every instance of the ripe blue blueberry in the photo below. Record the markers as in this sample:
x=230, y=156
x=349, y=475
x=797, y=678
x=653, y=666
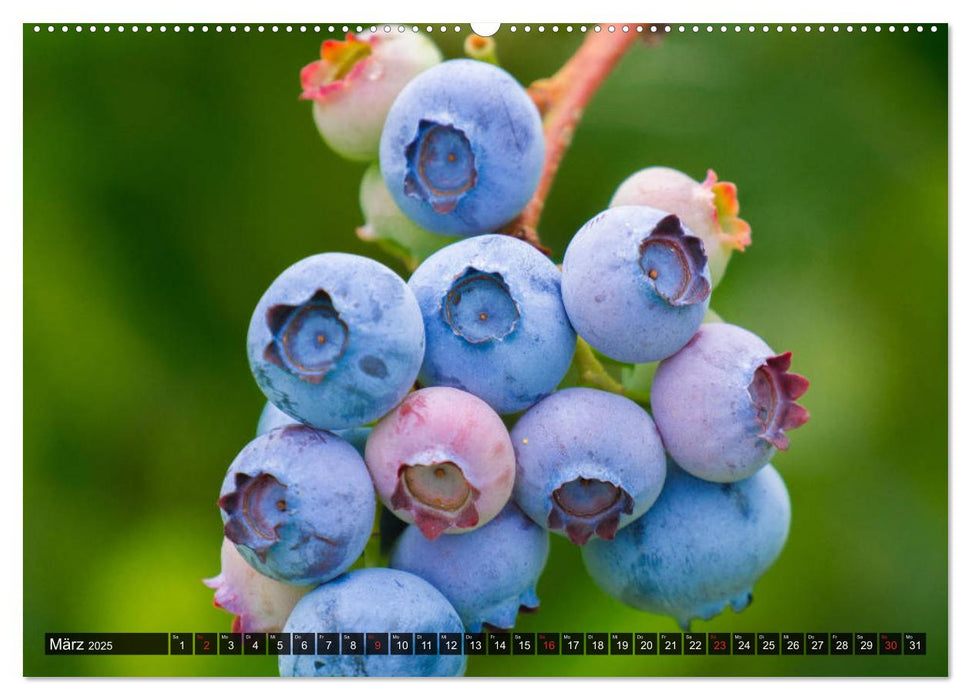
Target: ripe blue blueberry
x=701, y=547
x=494, y=321
x=635, y=283
x=336, y=341
x=487, y=574
x=724, y=402
x=462, y=148
x=587, y=462
x=298, y=504
x=373, y=600
x=272, y=418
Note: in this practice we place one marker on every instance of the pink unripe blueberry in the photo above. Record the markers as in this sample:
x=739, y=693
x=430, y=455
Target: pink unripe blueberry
x=709, y=209
x=259, y=603
x=354, y=83
x=442, y=460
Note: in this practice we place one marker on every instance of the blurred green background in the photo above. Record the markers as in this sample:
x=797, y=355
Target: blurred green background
x=168, y=178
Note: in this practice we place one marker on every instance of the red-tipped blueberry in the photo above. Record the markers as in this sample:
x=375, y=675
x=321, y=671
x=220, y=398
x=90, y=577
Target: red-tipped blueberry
x=442, y=460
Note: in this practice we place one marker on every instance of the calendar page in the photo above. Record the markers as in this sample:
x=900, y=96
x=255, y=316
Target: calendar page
x=423, y=349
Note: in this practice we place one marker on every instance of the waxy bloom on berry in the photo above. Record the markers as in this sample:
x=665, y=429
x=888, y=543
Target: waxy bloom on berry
x=699, y=549
x=635, y=283
x=336, y=341
x=724, y=402
x=462, y=149
x=495, y=325
x=489, y=575
x=380, y=601
x=588, y=462
x=298, y=505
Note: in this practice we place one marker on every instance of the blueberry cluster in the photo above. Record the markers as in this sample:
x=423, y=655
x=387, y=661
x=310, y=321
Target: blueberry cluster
x=451, y=398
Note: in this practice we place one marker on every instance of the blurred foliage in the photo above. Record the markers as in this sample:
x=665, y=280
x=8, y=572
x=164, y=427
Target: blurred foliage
x=168, y=178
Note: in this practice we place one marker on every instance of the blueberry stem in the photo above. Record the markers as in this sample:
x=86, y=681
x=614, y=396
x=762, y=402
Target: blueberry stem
x=561, y=100
x=594, y=374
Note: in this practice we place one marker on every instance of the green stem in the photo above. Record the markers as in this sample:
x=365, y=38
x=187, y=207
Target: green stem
x=593, y=373
x=372, y=557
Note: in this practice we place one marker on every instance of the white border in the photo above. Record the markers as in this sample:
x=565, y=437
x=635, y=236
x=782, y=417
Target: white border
x=440, y=11
x=485, y=28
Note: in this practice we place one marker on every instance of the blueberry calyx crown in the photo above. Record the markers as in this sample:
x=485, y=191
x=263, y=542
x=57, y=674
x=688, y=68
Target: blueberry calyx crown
x=256, y=509
x=437, y=495
x=732, y=230
x=441, y=166
x=479, y=307
x=308, y=339
x=774, y=391
x=338, y=60
x=582, y=507
x=226, y=598
x=673, y=261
